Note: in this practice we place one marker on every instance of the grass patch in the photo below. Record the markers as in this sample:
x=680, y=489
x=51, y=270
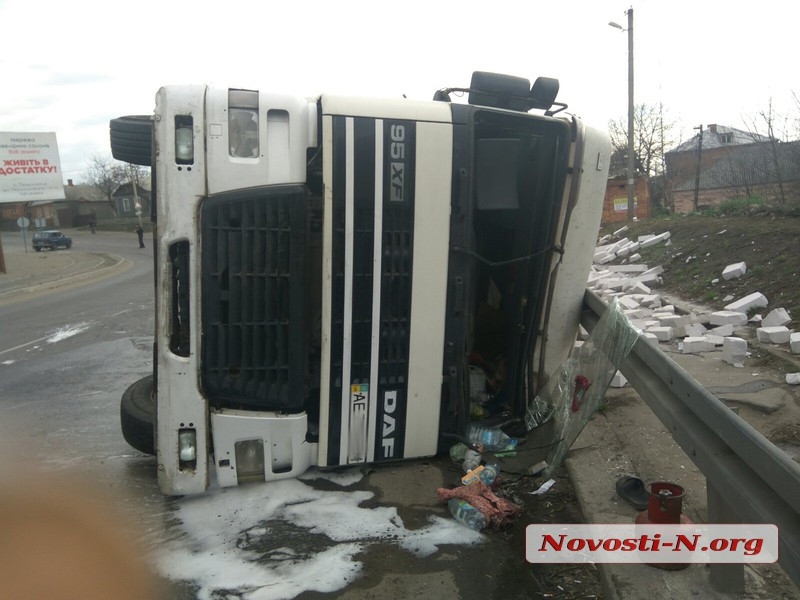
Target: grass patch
x=738, y=206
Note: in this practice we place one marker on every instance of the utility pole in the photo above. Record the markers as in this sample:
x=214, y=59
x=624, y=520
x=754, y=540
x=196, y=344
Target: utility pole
x=135, y=185
x=631, y=208
x=630, y=167
x=697, y=172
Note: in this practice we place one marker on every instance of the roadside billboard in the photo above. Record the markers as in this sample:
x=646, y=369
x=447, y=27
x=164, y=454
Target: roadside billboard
x=30, y=168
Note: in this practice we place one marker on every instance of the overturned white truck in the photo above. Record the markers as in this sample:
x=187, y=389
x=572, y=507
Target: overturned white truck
x=332, y=273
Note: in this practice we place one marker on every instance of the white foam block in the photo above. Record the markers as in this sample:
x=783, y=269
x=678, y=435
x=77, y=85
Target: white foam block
x=776, y=318
x=773, y=335
x=734, y=351
x=734, y=271
x=728, y=317
x=754, y=300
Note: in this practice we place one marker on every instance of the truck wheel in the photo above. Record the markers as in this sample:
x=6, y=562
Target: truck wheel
x=132, y=139
x=137, y=412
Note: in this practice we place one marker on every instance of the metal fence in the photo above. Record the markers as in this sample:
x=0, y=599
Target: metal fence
x=748, y=479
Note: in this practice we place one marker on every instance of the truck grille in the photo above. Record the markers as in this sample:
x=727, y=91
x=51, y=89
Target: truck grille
x=254, y=300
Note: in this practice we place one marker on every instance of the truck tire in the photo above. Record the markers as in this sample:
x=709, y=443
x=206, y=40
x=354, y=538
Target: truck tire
x=137, y=412
x=132, y=139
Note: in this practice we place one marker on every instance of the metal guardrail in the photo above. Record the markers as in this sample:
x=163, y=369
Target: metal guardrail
x=749, y=479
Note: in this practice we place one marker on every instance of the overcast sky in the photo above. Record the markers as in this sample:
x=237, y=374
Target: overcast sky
x=69, y=67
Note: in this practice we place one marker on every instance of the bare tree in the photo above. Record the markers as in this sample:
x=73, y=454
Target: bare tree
x=652, y=136
x=774, y=175
x=742, y=171
x=793, y=121
x=107, y=174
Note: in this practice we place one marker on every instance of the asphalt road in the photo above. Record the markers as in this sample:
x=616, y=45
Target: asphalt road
x=66, y=355
x=68, y=350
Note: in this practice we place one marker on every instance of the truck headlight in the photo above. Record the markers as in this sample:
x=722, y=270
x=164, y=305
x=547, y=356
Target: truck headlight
x=184, y=140
x=187, y=448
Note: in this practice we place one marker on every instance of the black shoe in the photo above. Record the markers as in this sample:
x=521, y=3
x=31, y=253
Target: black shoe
x=632, y=490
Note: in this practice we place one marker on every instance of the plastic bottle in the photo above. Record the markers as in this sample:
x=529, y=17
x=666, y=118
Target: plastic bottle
x=471, y=460
x=489, y=474
x=466, y=514
x=491, y=438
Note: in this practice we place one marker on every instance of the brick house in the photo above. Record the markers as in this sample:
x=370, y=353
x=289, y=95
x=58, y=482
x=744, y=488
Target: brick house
x=615, y=203
x=732, y=164
x=81, y=204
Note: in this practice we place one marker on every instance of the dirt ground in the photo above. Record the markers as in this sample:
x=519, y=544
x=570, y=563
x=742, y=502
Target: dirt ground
x=558, y=505
x=700, y=247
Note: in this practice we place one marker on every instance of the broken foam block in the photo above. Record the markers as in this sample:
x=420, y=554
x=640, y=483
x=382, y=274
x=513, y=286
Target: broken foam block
x=773, y=335
x=664, y=334
x=631, y=303
x=722, y=330
x=794, y=343
x=696, y=329
x=697, y=344
x=652, y=241
x=728, y=317
x=668, y=320
x=776, y=318
x=754, y=300
x=734, y=351
x=618, y=380
x=734, y=271
x=651, y=338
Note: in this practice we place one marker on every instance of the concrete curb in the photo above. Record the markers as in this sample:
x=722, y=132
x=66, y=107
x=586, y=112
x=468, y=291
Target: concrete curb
x=79, y=267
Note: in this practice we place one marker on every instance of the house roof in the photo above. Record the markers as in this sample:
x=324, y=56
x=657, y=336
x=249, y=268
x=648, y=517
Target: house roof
x=126, y=189
x=753, y=164
x=718, y=136
x=83, y=192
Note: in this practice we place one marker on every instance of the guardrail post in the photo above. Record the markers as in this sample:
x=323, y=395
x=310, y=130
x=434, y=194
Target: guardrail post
x=727, y=577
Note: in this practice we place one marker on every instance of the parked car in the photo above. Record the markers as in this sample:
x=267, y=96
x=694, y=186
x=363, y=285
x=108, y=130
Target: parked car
x=51, y=240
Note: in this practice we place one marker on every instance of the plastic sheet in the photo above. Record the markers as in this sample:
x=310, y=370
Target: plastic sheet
x=573, y=393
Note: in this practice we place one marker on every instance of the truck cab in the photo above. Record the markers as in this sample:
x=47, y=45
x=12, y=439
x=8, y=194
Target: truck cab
x=345, y=280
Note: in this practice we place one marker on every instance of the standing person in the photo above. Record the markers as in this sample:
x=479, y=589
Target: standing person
x=140, y=233
x=93, y=226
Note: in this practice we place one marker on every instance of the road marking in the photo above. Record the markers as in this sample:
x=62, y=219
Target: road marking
x=41, y=339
